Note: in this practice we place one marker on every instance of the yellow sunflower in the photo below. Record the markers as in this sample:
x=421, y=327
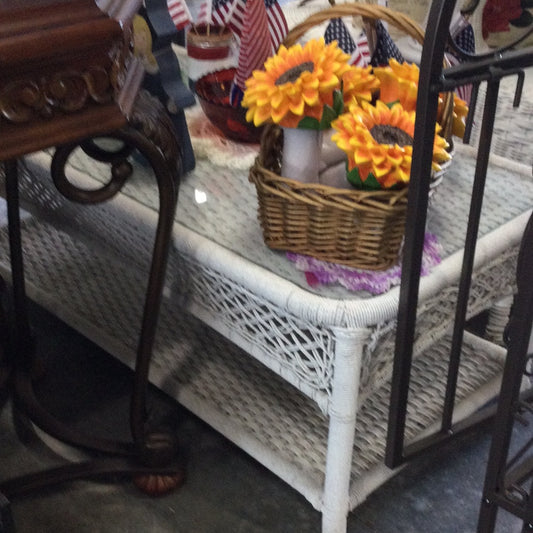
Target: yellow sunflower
x=359, y=83
x=460, y=112
x=378, y=142
x=398, y=83
x=297, y=82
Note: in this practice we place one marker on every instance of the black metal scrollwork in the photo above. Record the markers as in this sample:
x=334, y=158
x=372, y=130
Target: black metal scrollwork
x=148, y=122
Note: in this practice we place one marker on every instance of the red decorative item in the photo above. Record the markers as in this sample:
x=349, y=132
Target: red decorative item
x=213, y=91
x=209, y=42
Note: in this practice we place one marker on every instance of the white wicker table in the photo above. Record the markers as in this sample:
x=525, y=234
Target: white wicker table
x=297, y=377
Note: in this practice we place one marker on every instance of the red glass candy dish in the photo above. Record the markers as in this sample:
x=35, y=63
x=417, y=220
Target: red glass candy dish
x=213, y=92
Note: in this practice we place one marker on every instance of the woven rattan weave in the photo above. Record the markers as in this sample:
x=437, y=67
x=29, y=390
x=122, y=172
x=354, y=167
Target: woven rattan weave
x=362, y=229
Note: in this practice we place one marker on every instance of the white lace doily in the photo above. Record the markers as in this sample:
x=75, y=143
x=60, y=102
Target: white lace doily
x=209, y=143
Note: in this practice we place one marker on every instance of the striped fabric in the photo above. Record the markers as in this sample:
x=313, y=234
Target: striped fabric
x=179, y=13
x=276, y=22
x=204, y=13
x=256, y=45
x=361, y=55
x=229, y=13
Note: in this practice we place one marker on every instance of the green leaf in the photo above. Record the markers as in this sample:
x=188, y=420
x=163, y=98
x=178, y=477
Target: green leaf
x=370, y=184
x=354, y=178
x=338, y=102
x=309, y=123
x=390, y=104
x=328, y=114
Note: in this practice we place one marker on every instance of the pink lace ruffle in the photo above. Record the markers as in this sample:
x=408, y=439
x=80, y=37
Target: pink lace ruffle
x=319, y=272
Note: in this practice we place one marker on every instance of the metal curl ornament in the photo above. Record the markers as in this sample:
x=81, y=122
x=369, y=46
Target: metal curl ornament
x=150, y=132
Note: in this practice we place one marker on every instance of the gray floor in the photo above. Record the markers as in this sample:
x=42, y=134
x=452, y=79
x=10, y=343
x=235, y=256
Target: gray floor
x=226, y=491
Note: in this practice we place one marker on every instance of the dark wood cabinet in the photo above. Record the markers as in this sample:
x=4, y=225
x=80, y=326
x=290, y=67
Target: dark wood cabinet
x=66, y=71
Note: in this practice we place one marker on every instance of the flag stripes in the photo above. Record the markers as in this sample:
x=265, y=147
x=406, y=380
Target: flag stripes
x=179, y=13
x=256, y=45
x=276, y=22
x=204, y=13
x=361, y=55
x=229, y=13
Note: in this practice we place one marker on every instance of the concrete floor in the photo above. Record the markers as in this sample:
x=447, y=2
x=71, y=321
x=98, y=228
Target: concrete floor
x=226, y=491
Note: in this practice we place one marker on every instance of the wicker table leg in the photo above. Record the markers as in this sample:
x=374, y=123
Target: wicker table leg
x=348, y=357
x=497, y=320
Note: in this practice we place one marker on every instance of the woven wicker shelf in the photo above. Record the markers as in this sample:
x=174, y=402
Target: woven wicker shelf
x=237, y=395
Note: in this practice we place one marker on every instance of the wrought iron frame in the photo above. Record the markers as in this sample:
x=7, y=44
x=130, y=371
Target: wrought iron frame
x=150, y=451
x=508, y=470
x=489, y=68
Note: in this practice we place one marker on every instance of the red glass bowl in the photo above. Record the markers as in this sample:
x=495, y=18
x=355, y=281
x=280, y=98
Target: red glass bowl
x=213, y=94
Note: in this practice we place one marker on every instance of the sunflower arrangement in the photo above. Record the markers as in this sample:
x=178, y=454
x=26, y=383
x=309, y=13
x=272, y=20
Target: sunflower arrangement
x=378, y=138
x=372, y=110
x=398, y=82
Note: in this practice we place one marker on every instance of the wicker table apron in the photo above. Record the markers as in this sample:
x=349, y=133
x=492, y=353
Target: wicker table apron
x=297, y=377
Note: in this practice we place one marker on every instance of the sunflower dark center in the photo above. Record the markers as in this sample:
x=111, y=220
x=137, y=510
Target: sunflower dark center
x=385, y=134
x=294, y=73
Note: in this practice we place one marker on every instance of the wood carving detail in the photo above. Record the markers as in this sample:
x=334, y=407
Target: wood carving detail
x=149, y=117
x=66, y=91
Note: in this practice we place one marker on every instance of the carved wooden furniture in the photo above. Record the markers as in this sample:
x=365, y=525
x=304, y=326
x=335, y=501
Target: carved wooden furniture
x=67, y=78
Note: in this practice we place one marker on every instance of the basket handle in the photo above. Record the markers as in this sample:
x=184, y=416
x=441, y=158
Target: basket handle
x=367, y=11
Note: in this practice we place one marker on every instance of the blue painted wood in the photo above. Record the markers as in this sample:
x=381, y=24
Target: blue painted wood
x=167, y=84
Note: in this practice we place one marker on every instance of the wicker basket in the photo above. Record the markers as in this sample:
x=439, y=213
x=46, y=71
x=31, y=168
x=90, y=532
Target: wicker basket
x=360, y=229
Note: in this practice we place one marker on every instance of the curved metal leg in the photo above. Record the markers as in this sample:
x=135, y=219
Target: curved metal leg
x=151, y=452
x=6, y=520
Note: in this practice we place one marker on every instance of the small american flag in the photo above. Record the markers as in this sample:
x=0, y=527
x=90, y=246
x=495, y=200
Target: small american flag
x=358, y=49
x=229, y=13
x=277, y=23
x=204, y=13
x=385, y=47
x=337, y=31
x=361, y=54
x=466, y=41
x=256, y=46
x=179, y=13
